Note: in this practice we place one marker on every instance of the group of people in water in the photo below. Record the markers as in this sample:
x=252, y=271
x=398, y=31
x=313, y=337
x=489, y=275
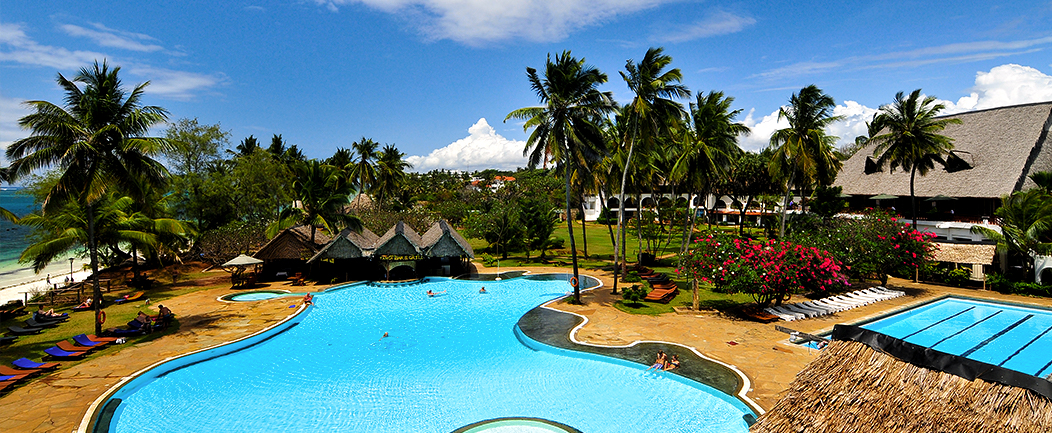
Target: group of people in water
x=433, y=293
x=664, y=363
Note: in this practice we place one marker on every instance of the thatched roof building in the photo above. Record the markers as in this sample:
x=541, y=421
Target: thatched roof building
x=441, y=240
x=851, y=387
x=293, y=244
x=400, y=240
x=994, y=152
x=965, y=253
x=348, y=244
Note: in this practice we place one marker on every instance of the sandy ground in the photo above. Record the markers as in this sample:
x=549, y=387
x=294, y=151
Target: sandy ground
x=59, y=401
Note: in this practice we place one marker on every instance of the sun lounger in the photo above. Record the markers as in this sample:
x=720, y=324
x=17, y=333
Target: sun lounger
x=28, y=364
x=13, y=377
x=843, y=305
x=57, y=352
x=787, y=316
x=833, y=308
x=5, y=385
x=127, y=298
x=83, y=340
x=127, y=332
x=56, y=318
x=102, y=339
x=33, y=323
x=18, y=330
x=8, y=340
x=70, y=347
x=855, y=303
x=805, y=311
x=825, y=309
x=661, y=295
x=8, y=371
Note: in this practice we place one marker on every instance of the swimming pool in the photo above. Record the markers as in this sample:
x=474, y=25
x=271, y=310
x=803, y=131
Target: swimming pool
x=1014, y=337
x=257, y=295
x=450, y=361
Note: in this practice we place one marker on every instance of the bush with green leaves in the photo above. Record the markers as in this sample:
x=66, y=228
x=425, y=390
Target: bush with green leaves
x=631, y=277
x=958, y=277
x=634, y=294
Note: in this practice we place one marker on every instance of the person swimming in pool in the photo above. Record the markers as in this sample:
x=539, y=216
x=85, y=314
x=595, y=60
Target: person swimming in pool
x=433, y=294
x=482, y=290
x=659, y=363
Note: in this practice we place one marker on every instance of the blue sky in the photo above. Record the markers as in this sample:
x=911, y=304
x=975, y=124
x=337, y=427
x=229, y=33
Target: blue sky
x=437, y=77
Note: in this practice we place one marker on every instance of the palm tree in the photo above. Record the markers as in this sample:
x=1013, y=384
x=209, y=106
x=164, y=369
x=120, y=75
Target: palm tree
x=322, y=196
x=649, y=114
x=1026, y=222
x=710, y=148
x=390, y=173
x=246, y=147
x=803, y=153
x=98, y=141
x=565, y=125
x=911, y=138
x=363, y=170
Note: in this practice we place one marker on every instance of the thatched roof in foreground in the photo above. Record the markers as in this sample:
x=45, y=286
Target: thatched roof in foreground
x=965, y=253
x=850, y=387
x=441, y=240
x=1002, y=145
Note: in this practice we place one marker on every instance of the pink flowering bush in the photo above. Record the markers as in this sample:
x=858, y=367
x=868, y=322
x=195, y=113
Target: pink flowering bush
x=768, y=271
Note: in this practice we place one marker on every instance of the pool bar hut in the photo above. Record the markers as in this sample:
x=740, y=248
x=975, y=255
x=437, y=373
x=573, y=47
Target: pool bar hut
x=400, y=254
x=287, y=253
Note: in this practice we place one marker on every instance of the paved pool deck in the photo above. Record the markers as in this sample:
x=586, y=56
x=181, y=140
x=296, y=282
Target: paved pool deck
x=57, y=402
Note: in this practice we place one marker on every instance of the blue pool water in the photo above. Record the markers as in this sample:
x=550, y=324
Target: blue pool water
x=1016, y=338
x=450, y=361
x=257, y=296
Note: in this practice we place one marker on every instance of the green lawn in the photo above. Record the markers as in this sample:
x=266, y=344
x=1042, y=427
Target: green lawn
x=707, y=299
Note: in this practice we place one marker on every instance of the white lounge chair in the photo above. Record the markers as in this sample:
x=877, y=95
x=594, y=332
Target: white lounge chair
x=783, y=315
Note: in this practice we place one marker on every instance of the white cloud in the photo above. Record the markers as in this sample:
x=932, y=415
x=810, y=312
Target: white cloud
x=108, y=37
x=475, y=21
x=20, y=48
x=11, y=109
x=483, y=148
x=717, y=23
x=1002, y=86
x=179, y=85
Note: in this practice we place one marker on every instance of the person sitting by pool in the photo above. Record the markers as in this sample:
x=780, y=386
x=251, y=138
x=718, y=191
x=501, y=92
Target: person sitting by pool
x=433, y=294
x=659, y=363
x=482, y=290
x=48, y=313
x=86, y=305
x=308, y=299
x=823, y=344
x=672, y=363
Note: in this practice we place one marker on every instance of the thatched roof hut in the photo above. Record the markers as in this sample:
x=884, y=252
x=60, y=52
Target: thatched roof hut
x=399, y=241
x=348, y=245
x=293, y=244
x=851, y=387
x=994, y=152
x=441, y=240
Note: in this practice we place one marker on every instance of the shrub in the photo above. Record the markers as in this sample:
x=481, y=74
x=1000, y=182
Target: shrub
x=631, y=277
x=634, y=294
x=488, y=260
x=958, y=277
x=999, y=283
x=1027, y=288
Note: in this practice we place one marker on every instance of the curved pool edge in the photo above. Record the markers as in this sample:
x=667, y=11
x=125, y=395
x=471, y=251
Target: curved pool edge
x=571, y=335
x=87, y=424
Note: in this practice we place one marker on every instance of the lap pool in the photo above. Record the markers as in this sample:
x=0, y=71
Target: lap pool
x=1014, y=337
x=450, y=361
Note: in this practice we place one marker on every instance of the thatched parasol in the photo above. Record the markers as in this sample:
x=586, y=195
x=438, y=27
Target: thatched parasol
x=884, y=197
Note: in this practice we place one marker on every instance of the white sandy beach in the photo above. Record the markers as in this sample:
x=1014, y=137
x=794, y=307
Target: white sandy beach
x=14, y=283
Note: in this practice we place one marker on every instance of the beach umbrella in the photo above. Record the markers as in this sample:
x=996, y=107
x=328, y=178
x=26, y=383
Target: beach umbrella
x=884, y=197
x=941, y=197
x=242, y=260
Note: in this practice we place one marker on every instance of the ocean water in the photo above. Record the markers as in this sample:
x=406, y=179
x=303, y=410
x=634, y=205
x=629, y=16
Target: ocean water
x=13, y=237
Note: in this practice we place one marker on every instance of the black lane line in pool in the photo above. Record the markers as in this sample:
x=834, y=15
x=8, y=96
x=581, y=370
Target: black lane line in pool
x=1024, y=348
x=230, y=352
x=965, y=329
x=997, y=335
x=1042, y=368
x=936, y=323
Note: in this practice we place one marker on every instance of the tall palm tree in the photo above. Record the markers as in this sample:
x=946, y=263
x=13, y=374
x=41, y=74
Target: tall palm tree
x=911, y=138
x=98, y=141
x=363, y=170
x=390, y=173
x=246, y=147
x=650, y=112
x=322, y=196
x=565, y=125
x=710, y=148
x=803, y=154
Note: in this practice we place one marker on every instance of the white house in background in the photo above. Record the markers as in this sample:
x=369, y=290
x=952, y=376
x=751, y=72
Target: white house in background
x=494, y=185
x=725, y=209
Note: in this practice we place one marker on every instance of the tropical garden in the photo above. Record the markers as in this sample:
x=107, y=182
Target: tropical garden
x=110, y=190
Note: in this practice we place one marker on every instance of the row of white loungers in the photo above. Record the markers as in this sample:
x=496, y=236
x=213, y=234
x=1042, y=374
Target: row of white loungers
x=833, y=304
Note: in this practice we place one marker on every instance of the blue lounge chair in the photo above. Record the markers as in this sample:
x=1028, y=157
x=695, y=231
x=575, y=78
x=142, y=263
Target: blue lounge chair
x=28, y=364
x=83, y=340
x=13, y=378
x=59, y=353
x=43, y=318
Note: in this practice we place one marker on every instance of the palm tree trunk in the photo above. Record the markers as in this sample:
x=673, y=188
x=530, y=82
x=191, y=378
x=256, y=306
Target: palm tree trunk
x=913, y=204
x=573, y=246
x=785, y=203
x=688, y=225
x=619, y=246
x=93, y=250
x=584, y=235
